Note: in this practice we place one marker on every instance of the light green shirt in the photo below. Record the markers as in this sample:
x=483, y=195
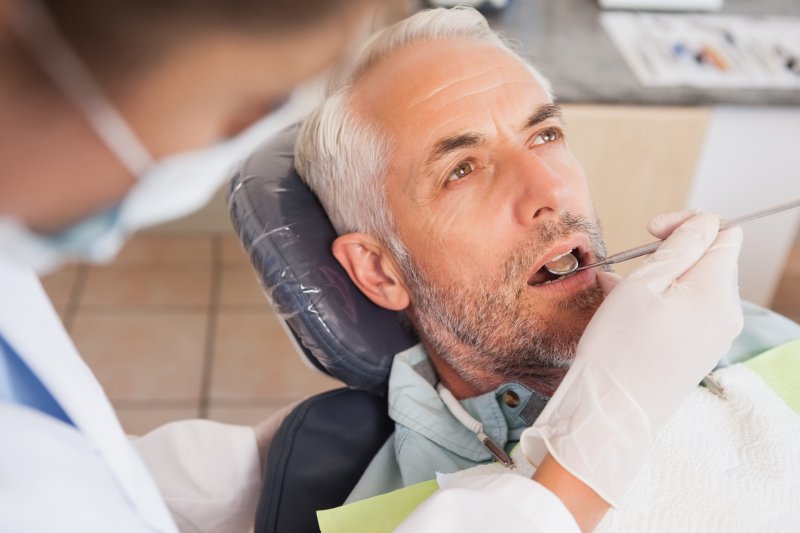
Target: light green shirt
x=428, y=439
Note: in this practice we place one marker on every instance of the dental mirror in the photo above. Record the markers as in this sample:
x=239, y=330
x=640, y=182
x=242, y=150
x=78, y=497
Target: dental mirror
x=566, y=264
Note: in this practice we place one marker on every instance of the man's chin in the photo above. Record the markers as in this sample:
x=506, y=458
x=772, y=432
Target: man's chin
x=567, y=321
x=581, y=304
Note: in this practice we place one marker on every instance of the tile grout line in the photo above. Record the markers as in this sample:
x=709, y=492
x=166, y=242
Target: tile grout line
x=211, y=325
x=75, y=294
x=116, y=310
x=150, y=403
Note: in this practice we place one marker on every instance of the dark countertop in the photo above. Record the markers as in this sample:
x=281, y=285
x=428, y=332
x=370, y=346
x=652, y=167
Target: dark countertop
x=566, y=42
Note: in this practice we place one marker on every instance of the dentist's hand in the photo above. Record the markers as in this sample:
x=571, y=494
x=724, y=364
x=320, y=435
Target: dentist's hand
x=658, y=333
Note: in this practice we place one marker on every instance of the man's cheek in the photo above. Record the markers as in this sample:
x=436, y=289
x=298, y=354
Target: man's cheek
x=581, y=198
x=457, y=228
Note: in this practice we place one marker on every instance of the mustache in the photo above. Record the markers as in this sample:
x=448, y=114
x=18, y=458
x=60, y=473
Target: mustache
x=545, y=235
x=519, y=260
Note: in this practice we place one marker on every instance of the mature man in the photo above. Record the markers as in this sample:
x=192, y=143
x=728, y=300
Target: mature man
x=440, y=156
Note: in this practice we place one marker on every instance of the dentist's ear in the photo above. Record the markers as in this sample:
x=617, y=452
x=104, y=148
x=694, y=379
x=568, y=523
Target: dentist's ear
x=373, y=270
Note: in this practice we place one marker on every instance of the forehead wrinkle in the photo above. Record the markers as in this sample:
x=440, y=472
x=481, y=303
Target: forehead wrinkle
x=468, y=76
x=462, y=135
x=430, y=98
x=455, y=123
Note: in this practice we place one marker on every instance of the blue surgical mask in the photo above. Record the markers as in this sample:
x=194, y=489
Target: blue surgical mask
x=165, y=189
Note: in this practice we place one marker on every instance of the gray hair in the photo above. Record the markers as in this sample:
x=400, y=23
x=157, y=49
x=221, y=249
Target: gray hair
x=342, y=159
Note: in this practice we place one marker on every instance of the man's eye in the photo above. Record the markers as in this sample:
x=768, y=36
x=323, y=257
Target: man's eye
x=460, y=171
x=546, y=137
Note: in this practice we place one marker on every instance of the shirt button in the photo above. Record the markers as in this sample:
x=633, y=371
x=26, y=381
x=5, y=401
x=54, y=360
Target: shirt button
x=510, y=398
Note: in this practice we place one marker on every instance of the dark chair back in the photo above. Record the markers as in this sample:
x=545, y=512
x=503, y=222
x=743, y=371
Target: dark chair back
x=325, y=444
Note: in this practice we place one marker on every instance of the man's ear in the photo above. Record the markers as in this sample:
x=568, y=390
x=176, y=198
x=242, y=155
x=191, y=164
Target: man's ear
x=369, y=264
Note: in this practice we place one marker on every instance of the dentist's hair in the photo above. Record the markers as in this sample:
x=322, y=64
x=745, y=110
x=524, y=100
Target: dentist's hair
x=114, y=35
x=342, y=158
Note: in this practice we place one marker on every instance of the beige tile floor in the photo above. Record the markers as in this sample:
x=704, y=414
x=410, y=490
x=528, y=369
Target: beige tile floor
x=177, y=327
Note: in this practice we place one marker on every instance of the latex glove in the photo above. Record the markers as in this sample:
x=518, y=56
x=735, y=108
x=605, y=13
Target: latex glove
x=657, y=334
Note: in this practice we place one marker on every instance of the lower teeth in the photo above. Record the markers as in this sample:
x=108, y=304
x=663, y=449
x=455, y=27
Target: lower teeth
x=553, y=280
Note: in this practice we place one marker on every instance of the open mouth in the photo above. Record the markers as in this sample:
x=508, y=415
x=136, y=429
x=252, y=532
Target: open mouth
x=544, y=277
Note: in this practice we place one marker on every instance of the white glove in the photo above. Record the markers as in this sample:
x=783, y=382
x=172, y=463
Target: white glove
x=657, y=334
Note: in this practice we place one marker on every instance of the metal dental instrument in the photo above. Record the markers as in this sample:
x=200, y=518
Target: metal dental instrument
x=653, y=246
x=566, y=264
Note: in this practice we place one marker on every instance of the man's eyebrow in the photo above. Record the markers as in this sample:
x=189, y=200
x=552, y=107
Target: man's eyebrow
x=543, y=113
x=451, y=144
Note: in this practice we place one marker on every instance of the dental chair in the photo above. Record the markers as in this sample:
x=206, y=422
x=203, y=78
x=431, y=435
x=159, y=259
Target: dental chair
x=326, y=443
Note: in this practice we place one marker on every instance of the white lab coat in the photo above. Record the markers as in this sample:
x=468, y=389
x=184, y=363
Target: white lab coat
x=491, y=502
x=89, y=478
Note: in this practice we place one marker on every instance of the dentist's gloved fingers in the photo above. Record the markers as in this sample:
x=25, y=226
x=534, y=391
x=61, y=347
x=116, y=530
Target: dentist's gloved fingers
x=719, y=269
x=654, y=337
x=607, y=281
x=662, y=226
x=722, y=259
x=679, y=252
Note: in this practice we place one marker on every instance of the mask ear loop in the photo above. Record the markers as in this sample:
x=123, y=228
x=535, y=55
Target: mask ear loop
x=35, y=27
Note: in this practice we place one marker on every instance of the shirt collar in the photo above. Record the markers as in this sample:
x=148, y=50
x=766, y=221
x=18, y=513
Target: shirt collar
x=413, y=402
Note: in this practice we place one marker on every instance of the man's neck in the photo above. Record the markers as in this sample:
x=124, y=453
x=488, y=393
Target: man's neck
x=544, y=379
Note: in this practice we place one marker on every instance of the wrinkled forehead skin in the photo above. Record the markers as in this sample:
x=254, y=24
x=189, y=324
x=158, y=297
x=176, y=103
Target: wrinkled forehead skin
x=431, y=90
x=434, y=88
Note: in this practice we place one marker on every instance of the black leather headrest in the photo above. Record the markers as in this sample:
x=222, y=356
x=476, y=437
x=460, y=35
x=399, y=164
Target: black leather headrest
x=288, y=237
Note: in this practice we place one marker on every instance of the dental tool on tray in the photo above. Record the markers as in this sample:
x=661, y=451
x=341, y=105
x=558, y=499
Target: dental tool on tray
x=568, y=264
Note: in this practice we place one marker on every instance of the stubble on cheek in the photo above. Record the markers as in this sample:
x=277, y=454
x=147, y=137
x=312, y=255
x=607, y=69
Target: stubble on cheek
x=492, y=325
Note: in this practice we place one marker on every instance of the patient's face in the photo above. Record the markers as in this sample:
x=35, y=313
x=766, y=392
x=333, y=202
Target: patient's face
x=484, y=191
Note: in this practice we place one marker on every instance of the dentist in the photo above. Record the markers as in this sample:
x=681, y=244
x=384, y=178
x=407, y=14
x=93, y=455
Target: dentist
x=104, y=106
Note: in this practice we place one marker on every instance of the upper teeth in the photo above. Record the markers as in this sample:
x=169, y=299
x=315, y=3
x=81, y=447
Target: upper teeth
x=559, y=257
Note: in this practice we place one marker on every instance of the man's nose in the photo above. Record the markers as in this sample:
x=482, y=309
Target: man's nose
x=538, y=191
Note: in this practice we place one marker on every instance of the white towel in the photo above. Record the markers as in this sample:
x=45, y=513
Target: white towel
x=718, y=465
